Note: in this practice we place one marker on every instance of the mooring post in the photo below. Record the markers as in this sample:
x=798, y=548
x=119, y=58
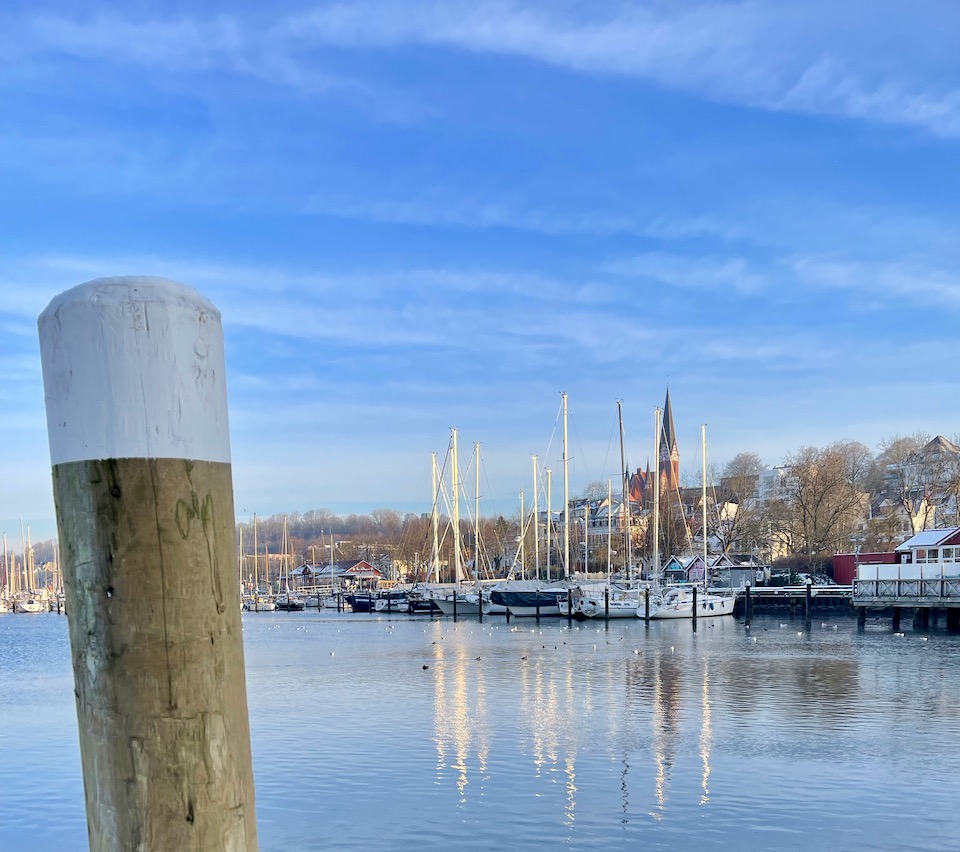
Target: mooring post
x=133, y=373
x=606, y=603
x=454, y=604
x=569, y=606
x=808, y=602
x=747, y=604
x=537, y=601
x=646, y=604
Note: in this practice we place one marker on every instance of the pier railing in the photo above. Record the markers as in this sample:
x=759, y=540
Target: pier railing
x=907, y=583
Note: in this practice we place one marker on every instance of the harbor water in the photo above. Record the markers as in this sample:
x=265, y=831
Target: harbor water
x=400, y=732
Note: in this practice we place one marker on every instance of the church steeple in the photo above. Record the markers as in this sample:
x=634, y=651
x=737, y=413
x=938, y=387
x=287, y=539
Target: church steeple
x=669, y=451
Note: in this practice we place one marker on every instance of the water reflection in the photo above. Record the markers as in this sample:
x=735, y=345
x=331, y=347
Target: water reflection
x=607, y=737
x=556, y=694
x=674, y=685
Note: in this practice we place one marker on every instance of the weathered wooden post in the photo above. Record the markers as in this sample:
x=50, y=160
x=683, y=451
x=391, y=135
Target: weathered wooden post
x=917, y=619
x=808, y=602
x=694, y=607
x=606, y=603
x=896, y=619
x=646, y=604
x=747, y=613
x=133, y=372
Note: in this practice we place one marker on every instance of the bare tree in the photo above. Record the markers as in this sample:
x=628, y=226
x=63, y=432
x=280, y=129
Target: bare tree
x=825, y=496
x=736, y=507
x=911, y=477
x=596, y=490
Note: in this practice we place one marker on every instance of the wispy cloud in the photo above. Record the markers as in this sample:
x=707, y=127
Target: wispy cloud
x=878, y=285
x=731, y=274
x=809, y=57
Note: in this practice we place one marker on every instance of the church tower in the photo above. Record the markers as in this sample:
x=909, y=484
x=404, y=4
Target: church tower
x=669, y=452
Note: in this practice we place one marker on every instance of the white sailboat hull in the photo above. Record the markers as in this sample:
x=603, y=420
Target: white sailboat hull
x=466, y=605
x=707, y=606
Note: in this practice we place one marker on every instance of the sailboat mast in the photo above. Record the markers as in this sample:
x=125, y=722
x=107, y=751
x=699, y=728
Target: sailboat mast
x=331, y=562
x=476, y=512
x=703, y=498
x=566, y=495
x=536, y=520
x=256, y=556
x=610, y=530
x=523, y=549
x=549, y=520
x=625, y=477
x=656, y=493
x=435, y=556
x=240, y=559
x=455, y=485
x=23, y=560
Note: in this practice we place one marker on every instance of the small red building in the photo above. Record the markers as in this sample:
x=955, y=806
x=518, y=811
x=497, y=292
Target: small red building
x=845, y=564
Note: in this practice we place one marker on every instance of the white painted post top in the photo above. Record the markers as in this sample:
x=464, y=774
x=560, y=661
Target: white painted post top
x=133, y=367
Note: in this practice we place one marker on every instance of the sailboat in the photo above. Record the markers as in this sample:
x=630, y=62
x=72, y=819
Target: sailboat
x=462, y=601
x=286, y=600
x=679, y=601
x=534, y=597
x=258, y=601
x=608, y=599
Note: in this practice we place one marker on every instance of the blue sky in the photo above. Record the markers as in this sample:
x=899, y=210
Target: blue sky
x=414, y=216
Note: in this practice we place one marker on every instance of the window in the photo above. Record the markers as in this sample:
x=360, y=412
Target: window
x=921, y=555
x=947, y=554
x=932, y=555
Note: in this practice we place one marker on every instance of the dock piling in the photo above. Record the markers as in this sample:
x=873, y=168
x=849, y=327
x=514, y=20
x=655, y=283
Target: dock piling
x=136, y=402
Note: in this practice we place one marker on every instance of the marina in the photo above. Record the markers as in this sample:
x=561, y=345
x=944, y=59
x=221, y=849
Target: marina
x=421, y=733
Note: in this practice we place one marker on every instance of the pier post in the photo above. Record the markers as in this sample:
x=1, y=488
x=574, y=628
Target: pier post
x=136, y=402
x=896, y=619
x=694, y=607
x=953, y=619
x=808, y=602
x=747, y=604
x=934, y=617
x=538, y=605
x=861, y=617
x=925, y=618
x=454, y=604
x=646, y=604
x=606, y=603
x=917, y=619
x=569, y=606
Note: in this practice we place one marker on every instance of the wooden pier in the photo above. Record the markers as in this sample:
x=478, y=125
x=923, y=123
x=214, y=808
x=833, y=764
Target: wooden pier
x=926, y=589
x=823, y=599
